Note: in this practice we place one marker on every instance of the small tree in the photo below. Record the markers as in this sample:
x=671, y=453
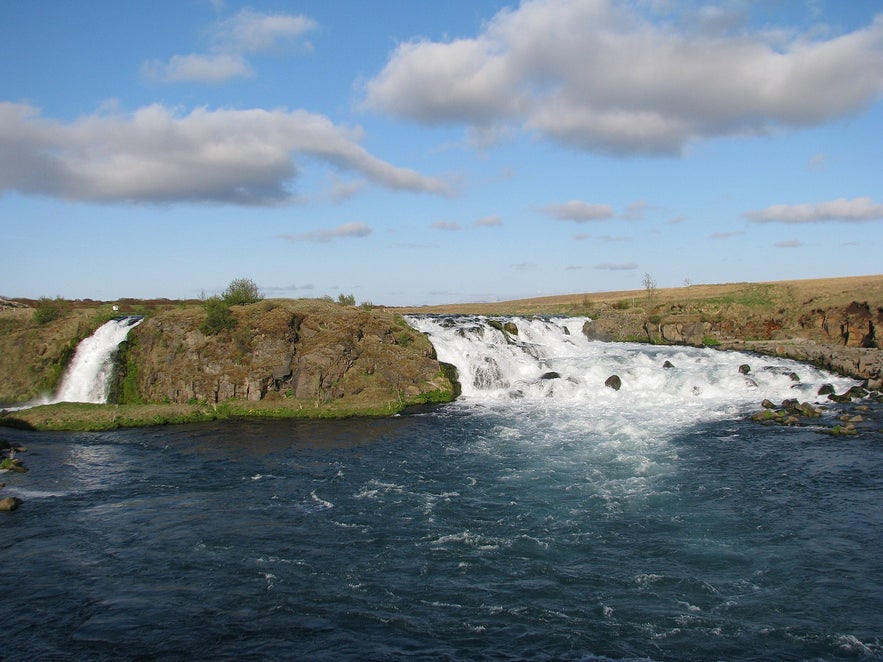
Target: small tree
x=649, y=285
x=218, y=317
x=242, y=291
x=346, y=299
x=48, y=310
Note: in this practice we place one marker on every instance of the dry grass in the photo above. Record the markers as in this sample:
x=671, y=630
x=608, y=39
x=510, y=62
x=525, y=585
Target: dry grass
x=813, y=293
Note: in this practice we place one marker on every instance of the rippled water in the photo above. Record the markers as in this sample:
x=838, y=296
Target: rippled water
x=478, y=530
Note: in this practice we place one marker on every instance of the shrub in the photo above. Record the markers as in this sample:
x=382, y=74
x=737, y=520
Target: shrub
x=346, y=299
x=218, y=317
x=48, y=309
x=241, y=291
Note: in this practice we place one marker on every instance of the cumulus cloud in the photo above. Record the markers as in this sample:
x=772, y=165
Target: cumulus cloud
x=231, y=38
x=161, y=156
x=576, y=210
x=602, y=76
x=347, y=230
x=840, y=210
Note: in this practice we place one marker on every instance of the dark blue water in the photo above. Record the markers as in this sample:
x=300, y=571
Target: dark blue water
x=468, y=532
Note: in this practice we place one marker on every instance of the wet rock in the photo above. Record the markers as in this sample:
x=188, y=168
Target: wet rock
x=668, y=364
x=840, y=430
x=826, y=389
x=744, y=368
x=550, y=375
x=614, y=382
x=8, y=504
x=791, y=412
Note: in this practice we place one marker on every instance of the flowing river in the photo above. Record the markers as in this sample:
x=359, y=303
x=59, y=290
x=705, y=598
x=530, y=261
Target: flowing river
x=538, y=517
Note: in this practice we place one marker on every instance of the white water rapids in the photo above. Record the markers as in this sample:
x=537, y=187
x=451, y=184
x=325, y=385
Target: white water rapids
x=549, y=362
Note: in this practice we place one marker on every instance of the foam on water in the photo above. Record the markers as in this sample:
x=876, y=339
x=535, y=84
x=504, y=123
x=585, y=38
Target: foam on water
x=550, y=365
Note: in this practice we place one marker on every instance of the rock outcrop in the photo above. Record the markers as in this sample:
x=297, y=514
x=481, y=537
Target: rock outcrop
x=304, y=350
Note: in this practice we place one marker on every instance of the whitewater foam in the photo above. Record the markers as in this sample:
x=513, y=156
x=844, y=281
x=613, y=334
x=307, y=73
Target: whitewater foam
x=89, y=374
x=536, y=366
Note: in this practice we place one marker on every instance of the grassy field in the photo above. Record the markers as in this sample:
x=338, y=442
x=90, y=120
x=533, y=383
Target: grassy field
x=797, y=295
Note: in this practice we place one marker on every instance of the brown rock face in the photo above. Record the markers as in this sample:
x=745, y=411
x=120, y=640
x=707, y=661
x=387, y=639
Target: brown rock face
x=309, y=350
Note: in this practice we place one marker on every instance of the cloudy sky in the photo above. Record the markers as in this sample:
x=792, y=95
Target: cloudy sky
x=417, y=152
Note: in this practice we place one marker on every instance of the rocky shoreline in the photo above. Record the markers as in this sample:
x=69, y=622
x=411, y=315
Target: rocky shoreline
x=862, y=363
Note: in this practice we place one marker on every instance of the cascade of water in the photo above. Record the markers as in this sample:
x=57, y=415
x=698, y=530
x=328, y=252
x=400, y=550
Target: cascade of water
x=88, y=376
x=551, y=359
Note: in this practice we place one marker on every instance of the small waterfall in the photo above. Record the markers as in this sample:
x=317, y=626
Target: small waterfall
x=88, y=377
x=518, y=359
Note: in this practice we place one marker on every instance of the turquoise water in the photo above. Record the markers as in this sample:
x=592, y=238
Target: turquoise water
x=472, y=531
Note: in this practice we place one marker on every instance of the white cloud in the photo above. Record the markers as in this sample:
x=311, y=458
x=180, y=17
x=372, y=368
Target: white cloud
x=197, y=68
x=347, y=230
x=232, y=38
x=839, y=210
x=249, y=31
x=160, y=156
x=488, y=222
x=579, y=211
x=788, y=243
x=601, y=76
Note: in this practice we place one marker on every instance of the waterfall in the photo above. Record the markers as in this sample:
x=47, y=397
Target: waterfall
x=88, y=377
x=550, y=360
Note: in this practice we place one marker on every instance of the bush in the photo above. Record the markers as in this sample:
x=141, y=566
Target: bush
x=48, y=309
x=218, y=317
x=346, y=299
x=241, y=291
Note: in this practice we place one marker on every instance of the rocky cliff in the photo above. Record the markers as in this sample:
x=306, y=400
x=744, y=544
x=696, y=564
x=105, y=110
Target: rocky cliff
x=285, y=352
x=280, y=355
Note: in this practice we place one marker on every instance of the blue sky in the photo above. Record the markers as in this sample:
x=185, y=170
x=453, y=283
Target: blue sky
x=415, y=152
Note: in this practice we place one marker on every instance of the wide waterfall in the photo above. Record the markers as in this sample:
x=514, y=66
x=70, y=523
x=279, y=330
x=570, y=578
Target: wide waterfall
x=88, y=377
x=550, y=361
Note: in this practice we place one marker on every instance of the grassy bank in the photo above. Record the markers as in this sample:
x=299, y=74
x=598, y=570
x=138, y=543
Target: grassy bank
x=79, y=416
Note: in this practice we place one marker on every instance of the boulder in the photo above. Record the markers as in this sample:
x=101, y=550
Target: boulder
x=8, y=504
x=614, y=382
x=668, y=364
x=744, y=368
x=550, y=375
